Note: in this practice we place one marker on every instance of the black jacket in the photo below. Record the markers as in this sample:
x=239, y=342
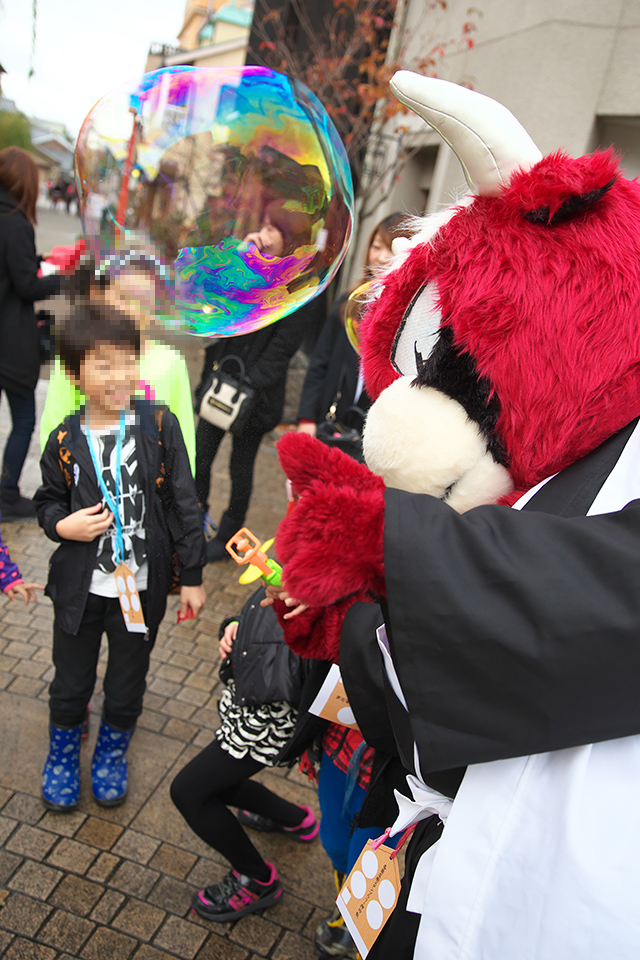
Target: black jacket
x=266, y=355
x=263, y=667
x=19, y=288
x=333, y=368
x=173, y=521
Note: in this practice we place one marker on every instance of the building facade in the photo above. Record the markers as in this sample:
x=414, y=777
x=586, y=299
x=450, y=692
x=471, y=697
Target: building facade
x=214, y=34
x=567, y=69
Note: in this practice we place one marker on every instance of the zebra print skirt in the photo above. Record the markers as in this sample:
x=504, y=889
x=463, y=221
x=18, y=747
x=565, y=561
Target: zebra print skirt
x=260, y=731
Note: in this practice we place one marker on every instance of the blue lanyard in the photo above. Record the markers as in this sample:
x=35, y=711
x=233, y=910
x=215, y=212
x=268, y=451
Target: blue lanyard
x=113, y=506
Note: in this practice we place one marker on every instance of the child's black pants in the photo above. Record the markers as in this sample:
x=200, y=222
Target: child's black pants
x=213, y=779
x=75, y=658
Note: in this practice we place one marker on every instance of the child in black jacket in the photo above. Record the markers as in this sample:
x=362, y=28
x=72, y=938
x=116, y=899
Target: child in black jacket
x=118, y=496
x=258, y=716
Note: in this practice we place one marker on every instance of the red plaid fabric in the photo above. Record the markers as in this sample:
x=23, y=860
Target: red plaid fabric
x=340, y=743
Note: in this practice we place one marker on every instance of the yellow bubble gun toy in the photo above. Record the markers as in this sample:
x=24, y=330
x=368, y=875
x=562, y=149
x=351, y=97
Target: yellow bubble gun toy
x=245, y=548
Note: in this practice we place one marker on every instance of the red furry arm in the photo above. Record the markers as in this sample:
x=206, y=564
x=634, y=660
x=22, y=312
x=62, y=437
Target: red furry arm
x=315, y=633
x=331, y=544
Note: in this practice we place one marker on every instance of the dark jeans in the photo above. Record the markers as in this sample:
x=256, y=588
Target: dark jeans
x=211, y=781
x=76, y=657
x=23, y=419
x=244, y=451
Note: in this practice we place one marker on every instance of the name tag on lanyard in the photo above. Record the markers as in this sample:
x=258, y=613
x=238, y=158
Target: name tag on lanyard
x=125, y=581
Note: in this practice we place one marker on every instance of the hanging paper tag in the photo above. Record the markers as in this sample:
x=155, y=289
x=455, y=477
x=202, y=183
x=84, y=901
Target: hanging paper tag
x=331, y=702
x=129, y=599
x=369, y=895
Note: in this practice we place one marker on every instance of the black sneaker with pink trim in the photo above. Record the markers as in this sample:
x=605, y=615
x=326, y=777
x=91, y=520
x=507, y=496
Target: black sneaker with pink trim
x=305, y=832
x=236, y=896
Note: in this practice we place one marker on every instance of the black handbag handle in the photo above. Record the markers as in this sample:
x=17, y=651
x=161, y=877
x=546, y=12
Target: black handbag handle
x=240, y=380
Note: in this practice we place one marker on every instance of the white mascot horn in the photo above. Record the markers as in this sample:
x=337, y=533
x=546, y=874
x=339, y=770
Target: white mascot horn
x=486, y=138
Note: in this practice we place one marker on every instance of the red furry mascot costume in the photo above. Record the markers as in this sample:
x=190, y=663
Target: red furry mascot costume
x=497, y=524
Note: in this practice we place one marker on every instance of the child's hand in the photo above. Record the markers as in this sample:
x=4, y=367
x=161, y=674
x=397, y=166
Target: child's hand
x=86, y=524
x=25, y=590
x=191, y=599
x=280, y=593
x=227, y=638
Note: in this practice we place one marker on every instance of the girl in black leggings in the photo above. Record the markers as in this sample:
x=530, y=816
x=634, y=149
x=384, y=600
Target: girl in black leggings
x=256, y=723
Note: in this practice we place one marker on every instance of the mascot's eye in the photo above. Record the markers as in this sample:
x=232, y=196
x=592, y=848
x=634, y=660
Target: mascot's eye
x=419, y=330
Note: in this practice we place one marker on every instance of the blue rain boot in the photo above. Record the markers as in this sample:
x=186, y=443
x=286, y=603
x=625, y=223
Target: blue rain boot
x=109, y=765
x=61, y=774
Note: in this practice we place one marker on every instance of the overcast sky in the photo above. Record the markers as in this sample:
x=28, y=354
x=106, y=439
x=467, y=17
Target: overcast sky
x=83, y=49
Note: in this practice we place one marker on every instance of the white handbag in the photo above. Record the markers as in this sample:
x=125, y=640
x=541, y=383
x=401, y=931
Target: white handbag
x=227, y=401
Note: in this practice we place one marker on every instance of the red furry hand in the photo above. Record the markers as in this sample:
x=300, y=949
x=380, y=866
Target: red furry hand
x=331, y=544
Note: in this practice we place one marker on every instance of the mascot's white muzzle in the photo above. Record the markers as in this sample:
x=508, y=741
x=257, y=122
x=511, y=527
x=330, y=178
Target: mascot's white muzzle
x=420, y=440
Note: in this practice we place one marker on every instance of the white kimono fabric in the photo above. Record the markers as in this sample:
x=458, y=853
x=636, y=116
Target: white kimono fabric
x=540, y=856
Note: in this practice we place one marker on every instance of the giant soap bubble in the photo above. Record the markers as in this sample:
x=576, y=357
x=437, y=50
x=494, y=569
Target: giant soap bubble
x=237, y=176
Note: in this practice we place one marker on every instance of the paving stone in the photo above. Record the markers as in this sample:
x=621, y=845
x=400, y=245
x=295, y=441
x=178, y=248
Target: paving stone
x=183, y=711
x=64, y=824
x=180, y=729
x=5, y=940
x=5, y=795
x=207, y=718
x=65, y=931
x=5, y=679
x=4, y=895
x=146, y=952
x=256, y=933
x=104, y=866
x=76, y=895
x=184, y=661
x=9, y=863
x=107, y=943
x=26, y=687
x=203, y=739
x=134, y=879
x=173, y=860
x=291, y=912
x=22, y=651
x=168, y=672
x=313, y=921
x=7, y=826
x=139, y=919
x=16, y=633
x=24, y=915
x=149, y=720
x=153, y=702
x=108, y=906
x=172, y=895
x=136, y=846
x=219, y=948
x=200, y=683
x=294, y=947
x=30, y=842
x=7, y=663
x=164, y=688
x=99, y=833
x=22, y=949
x=35, y=879
x=197, y=697
x=73, y=856
x=180, y=937
x=30, y=668
x=207, y=871
x=24, y=808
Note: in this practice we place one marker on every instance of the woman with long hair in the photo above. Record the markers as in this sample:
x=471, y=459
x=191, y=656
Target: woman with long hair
x=333, y=380
x=20, y=287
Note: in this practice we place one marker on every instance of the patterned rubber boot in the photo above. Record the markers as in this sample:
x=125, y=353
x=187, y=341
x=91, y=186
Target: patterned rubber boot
x=61, y=774
x=332, y=939
x=109, y=766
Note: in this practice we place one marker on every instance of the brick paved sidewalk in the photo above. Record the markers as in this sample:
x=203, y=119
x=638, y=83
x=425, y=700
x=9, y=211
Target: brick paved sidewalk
x=115, y=884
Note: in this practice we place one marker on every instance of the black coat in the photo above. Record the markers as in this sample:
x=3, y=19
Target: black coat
x=266, y=355
x=19, y=288
x=333, y=368
x=173, y=520
x=263, y=667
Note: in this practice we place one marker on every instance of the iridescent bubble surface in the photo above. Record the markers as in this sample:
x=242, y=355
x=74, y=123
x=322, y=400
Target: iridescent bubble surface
x=236, y=175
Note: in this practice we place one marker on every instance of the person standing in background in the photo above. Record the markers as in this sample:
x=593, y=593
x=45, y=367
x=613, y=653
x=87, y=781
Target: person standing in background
x=20, y=287
x=333, y=375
